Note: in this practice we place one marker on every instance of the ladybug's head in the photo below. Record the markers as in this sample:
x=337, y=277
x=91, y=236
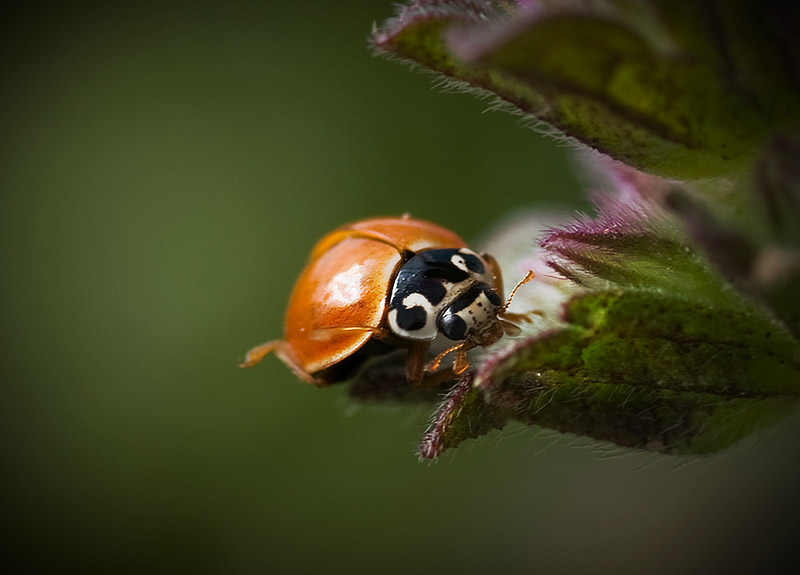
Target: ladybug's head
x=452, y=292
x=473, y=317
x=476, y=320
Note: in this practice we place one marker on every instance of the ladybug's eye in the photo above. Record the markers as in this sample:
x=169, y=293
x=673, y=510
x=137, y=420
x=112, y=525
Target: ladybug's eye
x=453, y=327
x=470, y=312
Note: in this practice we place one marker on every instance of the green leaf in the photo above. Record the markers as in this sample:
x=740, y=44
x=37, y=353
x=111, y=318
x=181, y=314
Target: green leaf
x=658, y=352
x=679, y=89
x=683, y=338
x=462, y=415
x=639, y=370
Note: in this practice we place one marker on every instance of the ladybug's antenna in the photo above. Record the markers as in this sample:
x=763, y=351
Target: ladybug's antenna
x=528, y=277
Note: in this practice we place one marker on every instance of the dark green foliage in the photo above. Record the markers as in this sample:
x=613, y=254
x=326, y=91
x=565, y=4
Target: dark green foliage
x=683, y=338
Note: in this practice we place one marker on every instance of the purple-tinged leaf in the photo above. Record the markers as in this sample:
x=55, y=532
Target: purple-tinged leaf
x=462, y=415
x=676, y=88
x=636, y=369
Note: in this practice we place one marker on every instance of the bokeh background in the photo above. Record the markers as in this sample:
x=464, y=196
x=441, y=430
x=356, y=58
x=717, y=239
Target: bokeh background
x=165, y=169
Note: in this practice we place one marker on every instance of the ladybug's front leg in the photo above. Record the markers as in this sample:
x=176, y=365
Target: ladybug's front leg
x=417, y=372
x=415, y=361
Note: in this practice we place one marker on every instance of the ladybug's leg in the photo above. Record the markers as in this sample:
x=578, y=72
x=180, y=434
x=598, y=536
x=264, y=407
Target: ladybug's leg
x=415, y=361
x=460, y=365
x=441, y=376
x=285, y=354
x=259, y=352
x=415, y=356
x=460, y=362
x=421, y=374
x=461, y=347
x=519, y=317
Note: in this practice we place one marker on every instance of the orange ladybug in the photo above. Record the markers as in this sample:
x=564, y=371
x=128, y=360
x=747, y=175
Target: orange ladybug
x=375, y=285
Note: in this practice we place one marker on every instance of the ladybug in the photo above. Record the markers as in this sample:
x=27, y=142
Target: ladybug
x=375, y=285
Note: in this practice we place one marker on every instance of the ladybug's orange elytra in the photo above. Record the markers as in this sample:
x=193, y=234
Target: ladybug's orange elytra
x=382, y=283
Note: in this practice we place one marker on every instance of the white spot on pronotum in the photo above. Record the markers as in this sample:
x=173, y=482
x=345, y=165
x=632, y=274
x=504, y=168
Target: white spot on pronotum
x=426, y=332
x=417, y=299
x=459, y=262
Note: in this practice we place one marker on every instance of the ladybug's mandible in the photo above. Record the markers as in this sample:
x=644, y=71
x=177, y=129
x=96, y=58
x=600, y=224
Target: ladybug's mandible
x=379, y=284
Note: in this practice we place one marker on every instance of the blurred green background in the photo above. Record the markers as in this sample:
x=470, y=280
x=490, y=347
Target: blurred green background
x=165, y=169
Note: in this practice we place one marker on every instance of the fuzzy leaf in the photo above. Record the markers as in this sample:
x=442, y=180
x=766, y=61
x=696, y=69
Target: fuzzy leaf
x=634, y=259
x=658, y=352
x=462, y=415
x=683, y=335
x=680, y=89
x=639, y=370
